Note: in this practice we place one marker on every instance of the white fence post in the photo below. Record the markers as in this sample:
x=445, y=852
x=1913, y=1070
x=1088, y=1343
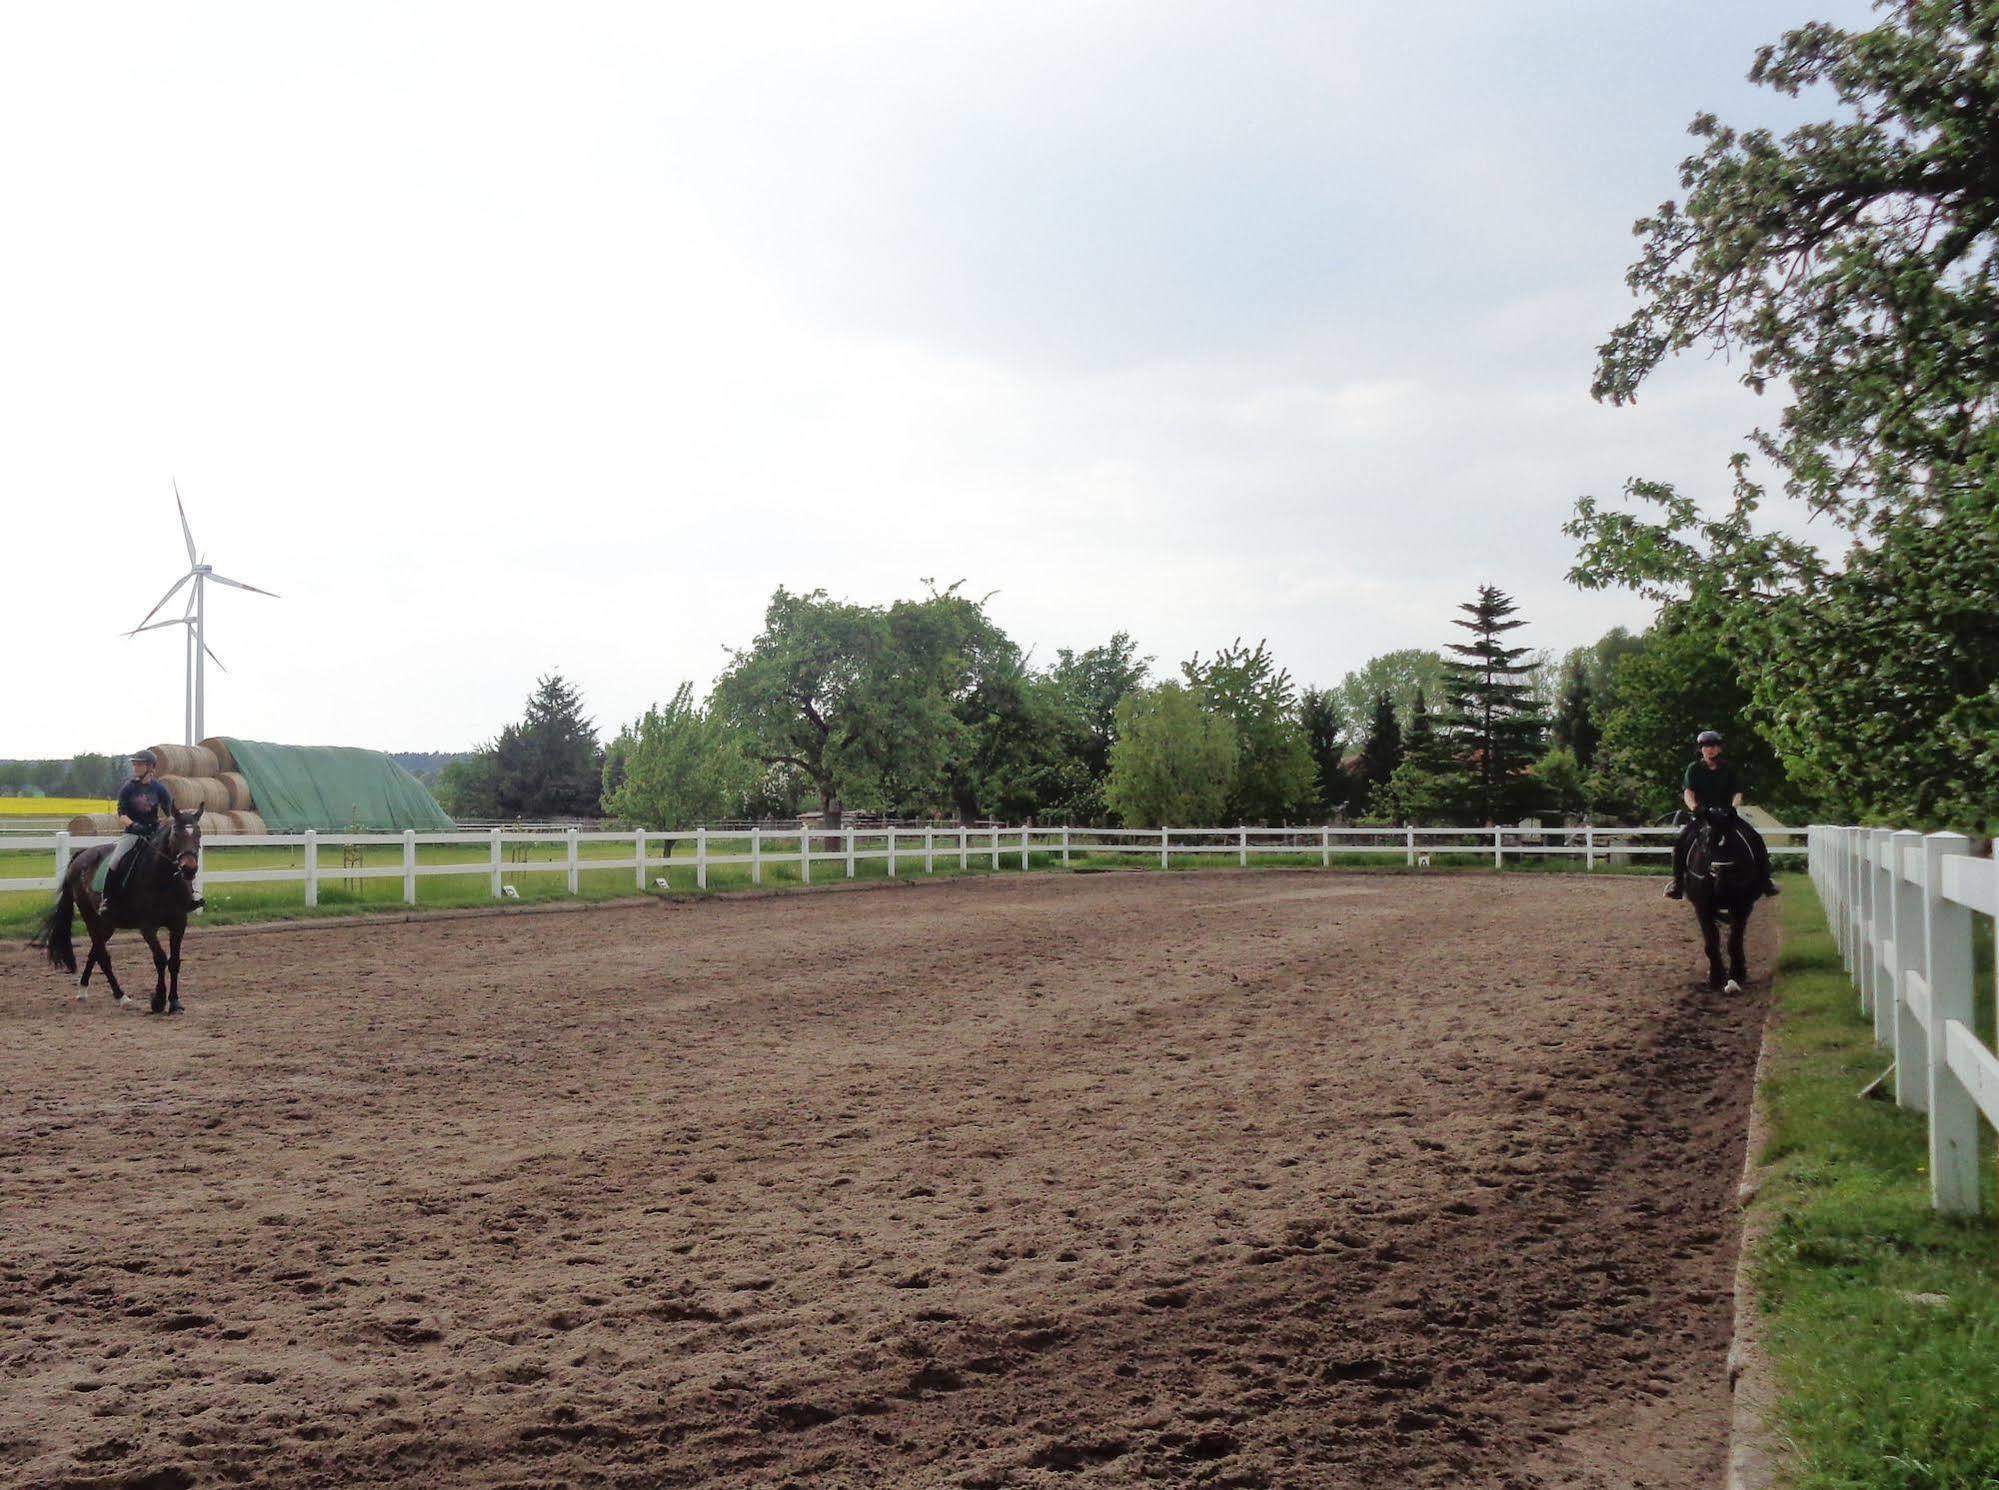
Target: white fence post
x=1326, y=847
x=929, y=848
x=1065, y=844
x=996, y=846
x=409, y=866
x=1589, y=847
x=1906, y=912
x=1881, y=892
x=964, y=854
x=311, y=867
x=757, y=854
x=493, y=851
x=62, y=856
x=639, y=854
x=1165, y=846
x=891, y=851
x=850, y=853
x=1025, y=842
x=1947, y=962
x=1242, y=846
x=1498, y=837
x=1411, y=836
x=700, y=858
x=804, y=854
x=569, y=838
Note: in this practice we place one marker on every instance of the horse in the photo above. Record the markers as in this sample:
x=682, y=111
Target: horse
x=157, y=893
x=1722, y=886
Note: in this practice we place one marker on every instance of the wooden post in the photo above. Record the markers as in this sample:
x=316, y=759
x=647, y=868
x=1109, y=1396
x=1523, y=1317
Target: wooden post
x=493, y=850
x=996, y=846
x=1409, y=833
x=804, y=854
x=62, y=857
x=311, y=867
x=1025, y=836
x=1165, y=847
x=1326, y=847
x=1498, y=836
x=1242, y=846
x=1882, y=891
x=700, y=858
x=1065, y=845
x=409, y=866
x=639, y=853
x=891, y=851
x=757, y=854
x=1911, y=1039
x=1947, y=957
x=569, y=838
x=929, y=848
x=850, y=853
x=1589, y=847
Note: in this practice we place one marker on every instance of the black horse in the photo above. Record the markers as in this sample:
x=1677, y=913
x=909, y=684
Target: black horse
x=156, y=894
x=1722, y=886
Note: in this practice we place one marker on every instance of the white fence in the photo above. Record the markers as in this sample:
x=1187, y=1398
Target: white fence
x=846, y=848
x=1901, y=907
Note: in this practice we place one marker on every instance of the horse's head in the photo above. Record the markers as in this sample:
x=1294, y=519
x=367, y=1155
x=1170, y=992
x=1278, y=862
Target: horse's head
x=1721, y=848
x=183, y=846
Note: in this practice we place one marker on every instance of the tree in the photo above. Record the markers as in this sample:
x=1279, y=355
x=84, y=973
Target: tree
x=1095, y=682
x=1429, y=784
x=548, y=765
x=469, y=787
x=675, y=766
x=1381, y=750
x=821, y=690
x=1174, y=760
x=1402, y=675
x=1274, y=770
x=1854, y=266
x=1492, y=717
x=1319, y=720
x=1856, y=260
x=1575, y=726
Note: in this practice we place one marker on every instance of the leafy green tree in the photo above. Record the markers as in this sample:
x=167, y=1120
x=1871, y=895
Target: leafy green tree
x=1319, y=720
x=1429, y=785
x=1381, y=749
x=1402, y=675
x=675, y=766
x=1855, y=261
x=1492, y=717
x=1575, y=727
x=549, y=765
x=1562, y=780
x=1274, y=777
x=1173, y=762
x=1854, y=267
x=469, y=787
x=1094, y=682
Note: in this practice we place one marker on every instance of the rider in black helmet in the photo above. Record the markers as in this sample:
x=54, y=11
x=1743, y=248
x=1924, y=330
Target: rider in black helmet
x=143, y=803
x=1712, y=782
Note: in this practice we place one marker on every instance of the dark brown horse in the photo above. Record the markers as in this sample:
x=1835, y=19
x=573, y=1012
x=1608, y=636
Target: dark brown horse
x=1722, y=887
x=156, y=895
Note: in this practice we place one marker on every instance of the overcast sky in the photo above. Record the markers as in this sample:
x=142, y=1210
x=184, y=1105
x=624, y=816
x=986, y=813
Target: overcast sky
x=505, y=340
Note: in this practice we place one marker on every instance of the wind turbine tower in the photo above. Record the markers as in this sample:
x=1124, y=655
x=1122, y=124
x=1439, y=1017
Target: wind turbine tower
x=194, y=618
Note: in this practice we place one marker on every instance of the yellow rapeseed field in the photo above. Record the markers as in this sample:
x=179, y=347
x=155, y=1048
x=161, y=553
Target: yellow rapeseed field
x=52, y=806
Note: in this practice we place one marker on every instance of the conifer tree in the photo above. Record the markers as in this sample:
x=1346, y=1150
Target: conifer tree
x=1381, y=752
x=1494, y=723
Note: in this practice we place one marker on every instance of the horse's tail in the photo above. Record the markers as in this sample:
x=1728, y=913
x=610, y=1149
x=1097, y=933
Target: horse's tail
x=54, y=932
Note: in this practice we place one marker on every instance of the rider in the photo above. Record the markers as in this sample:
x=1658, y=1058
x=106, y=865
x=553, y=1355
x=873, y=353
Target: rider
x=1712, y=782
x=143, y=803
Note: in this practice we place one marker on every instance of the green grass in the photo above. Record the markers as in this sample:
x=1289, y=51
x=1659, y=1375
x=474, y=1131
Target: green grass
x=1879, y=1390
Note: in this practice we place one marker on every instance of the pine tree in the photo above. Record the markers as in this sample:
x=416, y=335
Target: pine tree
x=1381, y=753
x=1575, y=728
x=549, y=765
x=1492, y=718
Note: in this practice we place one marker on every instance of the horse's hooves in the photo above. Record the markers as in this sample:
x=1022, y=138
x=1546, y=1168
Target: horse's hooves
x=1733, y=987
x=174, y=1007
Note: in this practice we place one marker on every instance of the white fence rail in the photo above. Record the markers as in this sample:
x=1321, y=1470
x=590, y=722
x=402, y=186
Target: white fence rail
x=1901, y=906
x=847, y=848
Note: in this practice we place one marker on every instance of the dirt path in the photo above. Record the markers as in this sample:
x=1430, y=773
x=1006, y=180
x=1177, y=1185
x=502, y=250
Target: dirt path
x=1226, y=1179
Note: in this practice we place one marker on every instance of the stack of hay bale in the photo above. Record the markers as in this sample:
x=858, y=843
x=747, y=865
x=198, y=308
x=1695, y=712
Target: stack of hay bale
x=203, y=776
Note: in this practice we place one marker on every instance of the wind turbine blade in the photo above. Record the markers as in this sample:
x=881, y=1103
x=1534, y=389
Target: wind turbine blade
x=163, y=600
x=185, y=531
x=161, y=625
x=222, y=579
x=212, y=657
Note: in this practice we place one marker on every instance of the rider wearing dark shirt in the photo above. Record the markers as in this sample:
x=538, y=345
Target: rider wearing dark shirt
x=143, y=804
x=1713, y=782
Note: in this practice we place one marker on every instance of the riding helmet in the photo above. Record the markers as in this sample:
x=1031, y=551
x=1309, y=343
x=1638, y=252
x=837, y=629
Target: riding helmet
x=1707, y=737
x=146, y=756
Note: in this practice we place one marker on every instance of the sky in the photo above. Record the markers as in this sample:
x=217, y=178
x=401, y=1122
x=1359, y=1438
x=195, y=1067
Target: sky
x=507, y=340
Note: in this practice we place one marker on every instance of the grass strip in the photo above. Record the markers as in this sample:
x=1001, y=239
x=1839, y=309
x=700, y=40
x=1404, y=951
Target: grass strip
x=1880, y=1316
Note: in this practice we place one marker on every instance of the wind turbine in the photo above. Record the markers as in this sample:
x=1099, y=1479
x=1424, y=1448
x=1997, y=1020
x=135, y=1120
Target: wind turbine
x=194, y=619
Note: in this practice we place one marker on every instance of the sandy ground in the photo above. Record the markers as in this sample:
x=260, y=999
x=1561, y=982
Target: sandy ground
x=1271, y=1179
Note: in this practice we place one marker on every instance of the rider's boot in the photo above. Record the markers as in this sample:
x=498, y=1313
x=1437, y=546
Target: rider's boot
x=1675, y=890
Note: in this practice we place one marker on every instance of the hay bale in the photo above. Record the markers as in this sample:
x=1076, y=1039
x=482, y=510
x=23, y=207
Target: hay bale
x=187, y=760
x=95, y=824
x=238, y=787
x=213, y=823
x=208, y=793
x=218, y=747
x=248, y=822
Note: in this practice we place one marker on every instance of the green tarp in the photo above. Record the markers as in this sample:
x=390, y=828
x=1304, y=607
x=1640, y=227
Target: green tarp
x=334, y=789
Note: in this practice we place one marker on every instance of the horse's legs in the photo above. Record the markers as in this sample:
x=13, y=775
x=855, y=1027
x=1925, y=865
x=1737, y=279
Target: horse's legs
x=152, y=936
x=1738, y=962
x=1711, y=944
x=100, y=954
x=174, y=934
